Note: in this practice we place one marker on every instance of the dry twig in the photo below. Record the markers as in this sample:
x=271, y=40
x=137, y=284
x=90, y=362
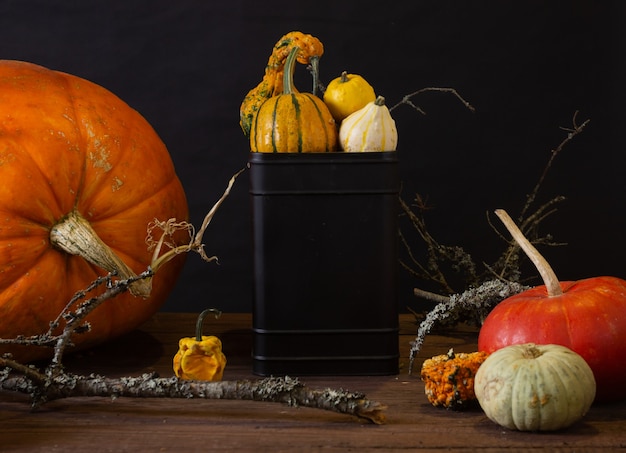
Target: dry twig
x=500, y=279
x=169, y=227
x=407, y=99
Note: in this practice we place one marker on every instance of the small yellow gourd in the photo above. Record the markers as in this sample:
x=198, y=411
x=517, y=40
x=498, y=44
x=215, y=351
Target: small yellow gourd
x=532, y=387
x=369, y=129
x=346, y=94
x=200, y=358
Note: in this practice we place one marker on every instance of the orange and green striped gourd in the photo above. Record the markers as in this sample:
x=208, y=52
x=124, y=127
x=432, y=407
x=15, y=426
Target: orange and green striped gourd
x=293, y=122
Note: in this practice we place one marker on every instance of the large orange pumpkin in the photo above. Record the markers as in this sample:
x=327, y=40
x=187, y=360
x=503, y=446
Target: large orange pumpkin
x=69, y=149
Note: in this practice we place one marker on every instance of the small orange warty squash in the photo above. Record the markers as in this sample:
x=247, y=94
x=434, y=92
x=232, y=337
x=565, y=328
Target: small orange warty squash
x=293, y=122
x=74, y=156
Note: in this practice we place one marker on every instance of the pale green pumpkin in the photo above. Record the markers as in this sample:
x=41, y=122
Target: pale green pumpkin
x=532, y=387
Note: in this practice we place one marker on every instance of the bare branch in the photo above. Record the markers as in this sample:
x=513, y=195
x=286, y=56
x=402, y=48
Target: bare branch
x=407, y=98
x=433, y=297
x=572, y=133
x=501, y=279
x=30, y=373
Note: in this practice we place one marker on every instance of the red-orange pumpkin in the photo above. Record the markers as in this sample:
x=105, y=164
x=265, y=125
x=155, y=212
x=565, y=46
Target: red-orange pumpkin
x=71, y=149
x=586, y=316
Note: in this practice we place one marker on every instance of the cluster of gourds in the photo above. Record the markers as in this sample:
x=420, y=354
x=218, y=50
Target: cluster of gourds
x=74, y=158
x=527, y=387
x=277, y=118
x=553, y=350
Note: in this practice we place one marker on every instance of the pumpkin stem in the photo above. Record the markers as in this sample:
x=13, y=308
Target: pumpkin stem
x=379, y=101
x=531, y=351
x=545, y=270
x=73, y=234
x=344, y=77
x=290, y=66
x=200, y=321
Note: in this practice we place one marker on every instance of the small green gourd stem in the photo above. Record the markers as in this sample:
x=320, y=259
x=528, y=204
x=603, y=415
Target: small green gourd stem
x=290, y=66
x=344, y=77
x=315, y=71
x=288, y=87
x=548, y=276
x=379, y=101
x=200, y=321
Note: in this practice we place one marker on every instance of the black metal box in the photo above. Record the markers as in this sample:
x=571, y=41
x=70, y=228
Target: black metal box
x=325, y=240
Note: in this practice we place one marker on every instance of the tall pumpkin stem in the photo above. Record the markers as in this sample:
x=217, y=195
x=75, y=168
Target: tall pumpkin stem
x=73, y=234
x=545, y=270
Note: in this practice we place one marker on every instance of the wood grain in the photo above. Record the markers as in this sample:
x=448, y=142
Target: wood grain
x=137, y=425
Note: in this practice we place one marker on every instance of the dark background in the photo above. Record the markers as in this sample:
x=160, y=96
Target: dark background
x=526, y=66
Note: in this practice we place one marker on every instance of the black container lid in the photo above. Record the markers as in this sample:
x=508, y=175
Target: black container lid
x=328, y=173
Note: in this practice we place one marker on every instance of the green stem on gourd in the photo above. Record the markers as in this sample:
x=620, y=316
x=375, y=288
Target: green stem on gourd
x=379, y=101
x=315, y=71
x=74, y=234
x=548, y=276
x=200, y=321
x=290, y=66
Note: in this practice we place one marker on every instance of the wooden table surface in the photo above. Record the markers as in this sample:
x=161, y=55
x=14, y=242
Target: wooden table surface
x=162, y=425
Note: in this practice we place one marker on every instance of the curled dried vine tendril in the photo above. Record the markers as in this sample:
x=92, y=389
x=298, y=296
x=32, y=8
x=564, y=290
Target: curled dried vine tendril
x=169, y=227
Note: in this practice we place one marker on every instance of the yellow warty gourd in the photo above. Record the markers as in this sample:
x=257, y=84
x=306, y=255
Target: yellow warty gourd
x=369, y=129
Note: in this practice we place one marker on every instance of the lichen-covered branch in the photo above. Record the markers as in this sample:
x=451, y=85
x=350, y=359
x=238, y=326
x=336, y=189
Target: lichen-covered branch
x=75, y=312
x=477, y=301
x=284, y=390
